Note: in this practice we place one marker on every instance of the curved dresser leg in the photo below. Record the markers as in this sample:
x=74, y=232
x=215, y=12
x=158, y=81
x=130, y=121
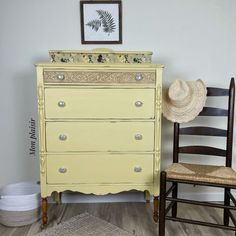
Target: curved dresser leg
x=57, y=197
x=59, y=202
x=147, y=196
x=44, y=211
x=156, y=208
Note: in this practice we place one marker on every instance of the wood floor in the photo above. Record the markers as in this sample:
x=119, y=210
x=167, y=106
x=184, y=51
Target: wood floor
x=133, y=217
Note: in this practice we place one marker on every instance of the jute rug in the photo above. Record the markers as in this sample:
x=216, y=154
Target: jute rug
x=85, y=225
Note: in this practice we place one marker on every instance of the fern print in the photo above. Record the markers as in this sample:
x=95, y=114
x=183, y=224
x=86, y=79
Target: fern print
x=107, y=21
x=94, y=24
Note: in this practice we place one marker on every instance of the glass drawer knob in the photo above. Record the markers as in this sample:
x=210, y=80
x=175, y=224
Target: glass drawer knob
x=62, y=137
x=137, y=169
x=138, y=77
x=138, y=136
x=61, y=104
x=138, y=104
x=60, y=77
x=62, y=170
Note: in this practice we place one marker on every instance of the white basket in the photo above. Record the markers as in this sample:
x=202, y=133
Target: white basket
x=19, y=204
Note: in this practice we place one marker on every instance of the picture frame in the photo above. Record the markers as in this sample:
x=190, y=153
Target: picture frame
x=101, y=22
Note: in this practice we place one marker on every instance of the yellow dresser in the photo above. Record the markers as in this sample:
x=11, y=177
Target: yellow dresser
x=99, y=128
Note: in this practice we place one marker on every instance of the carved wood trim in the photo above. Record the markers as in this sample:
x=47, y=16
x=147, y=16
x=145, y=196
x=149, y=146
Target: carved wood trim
x=158, y=99
x=41, y=118
x=98, y=77
x=99, y=189
x=43, y=163
x=41, y=130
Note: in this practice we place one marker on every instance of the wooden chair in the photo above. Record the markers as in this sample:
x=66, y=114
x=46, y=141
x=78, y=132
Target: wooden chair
x=207, y=175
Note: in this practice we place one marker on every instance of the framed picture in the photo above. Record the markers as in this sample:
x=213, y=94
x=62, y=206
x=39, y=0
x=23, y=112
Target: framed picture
x=101, y=22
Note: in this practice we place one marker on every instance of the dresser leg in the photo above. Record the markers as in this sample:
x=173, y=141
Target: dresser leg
x=156, y=208
x=147, y=196
x=44, y=211
x=57, y=197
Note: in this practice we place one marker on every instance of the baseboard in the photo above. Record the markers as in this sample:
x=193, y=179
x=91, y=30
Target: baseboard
x=208, y=196
x=211, y=197
x=134, y=197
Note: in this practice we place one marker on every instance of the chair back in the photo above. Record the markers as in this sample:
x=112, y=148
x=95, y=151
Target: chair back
x=210, y=131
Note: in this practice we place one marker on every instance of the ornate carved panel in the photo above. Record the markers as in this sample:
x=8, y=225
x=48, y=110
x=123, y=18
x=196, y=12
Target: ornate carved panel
x=99, y=77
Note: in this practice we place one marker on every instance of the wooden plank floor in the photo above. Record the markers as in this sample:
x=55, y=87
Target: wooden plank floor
x=133, y=217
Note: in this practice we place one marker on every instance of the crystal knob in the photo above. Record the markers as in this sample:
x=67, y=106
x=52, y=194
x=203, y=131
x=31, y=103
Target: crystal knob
x=138, y=77
x=62, y=170
x=138, y=103
x=138, y=136
x=62, y=137
x=137, y=169
x=60, y=77
x=61, y=104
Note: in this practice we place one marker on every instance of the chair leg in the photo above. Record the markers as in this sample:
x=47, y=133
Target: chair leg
x=174, y=195
x=162, y=208
x=226, y=203
x=156, y=209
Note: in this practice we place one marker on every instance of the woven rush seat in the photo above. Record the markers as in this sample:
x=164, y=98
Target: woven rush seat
x=202, y=173
x=192, y=173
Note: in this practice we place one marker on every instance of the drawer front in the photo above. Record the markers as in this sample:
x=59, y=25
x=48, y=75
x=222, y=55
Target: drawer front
x=99, y=103
x=99, y=136
x=98, y=77
x=113, y=168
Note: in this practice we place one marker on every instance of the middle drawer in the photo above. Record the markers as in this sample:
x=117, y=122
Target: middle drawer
x=99, y=136
x=99, y=103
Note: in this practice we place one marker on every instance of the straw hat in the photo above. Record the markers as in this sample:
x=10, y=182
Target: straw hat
x=184, y=100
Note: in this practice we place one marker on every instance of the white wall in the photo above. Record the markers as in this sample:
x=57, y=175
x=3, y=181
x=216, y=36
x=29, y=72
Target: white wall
x=192, y=38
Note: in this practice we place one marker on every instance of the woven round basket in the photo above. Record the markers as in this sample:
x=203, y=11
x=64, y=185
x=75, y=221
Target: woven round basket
x=19, y=204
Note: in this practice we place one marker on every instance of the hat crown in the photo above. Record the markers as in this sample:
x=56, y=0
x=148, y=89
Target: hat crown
x=184, y=100
x=179, y=93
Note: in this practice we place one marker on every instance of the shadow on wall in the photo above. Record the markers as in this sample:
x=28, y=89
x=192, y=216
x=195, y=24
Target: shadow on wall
x=24, y=98
x=167, y=143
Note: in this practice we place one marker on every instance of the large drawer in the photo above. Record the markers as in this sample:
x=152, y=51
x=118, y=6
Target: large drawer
x=100, y=77
x=99, y=136
x=99, y=103
x=106, y=169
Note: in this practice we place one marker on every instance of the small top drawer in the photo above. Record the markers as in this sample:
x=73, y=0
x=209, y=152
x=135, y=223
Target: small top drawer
x=96, y=77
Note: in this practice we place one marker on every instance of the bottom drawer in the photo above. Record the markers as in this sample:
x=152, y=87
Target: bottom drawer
x=108, y=168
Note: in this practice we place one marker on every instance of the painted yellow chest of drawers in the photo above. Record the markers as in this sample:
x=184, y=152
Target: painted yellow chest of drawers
x=99, y=128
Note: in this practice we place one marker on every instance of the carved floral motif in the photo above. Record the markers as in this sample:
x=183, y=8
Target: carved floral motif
x=42, y=163
x=98, y=77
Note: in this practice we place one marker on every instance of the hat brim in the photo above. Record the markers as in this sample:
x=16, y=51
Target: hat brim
x=192, y=109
